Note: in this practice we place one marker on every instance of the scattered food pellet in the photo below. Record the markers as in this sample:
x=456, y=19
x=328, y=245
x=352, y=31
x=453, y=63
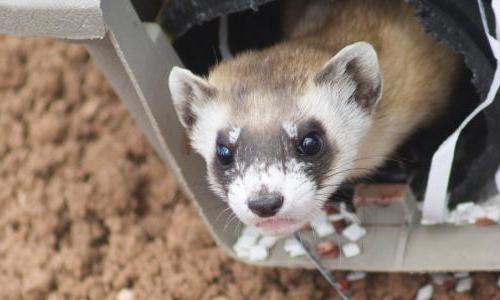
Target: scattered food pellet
x=328, y=249
x=449, y=284
x=355, y=275
x=322, y=226
x=379, y=194
x=354, y=232
x=125, y=294
x=484, y=222
x=351, y=250
x=306, y=226
x=294, y=248
x=463, y=285
x=258, y=253
x=425, y=292
x=344, y=284
x=339, y=225
x=336, y=217
x=330, y=208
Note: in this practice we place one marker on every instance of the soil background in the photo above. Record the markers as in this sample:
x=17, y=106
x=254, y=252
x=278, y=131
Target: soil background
x=88, y=211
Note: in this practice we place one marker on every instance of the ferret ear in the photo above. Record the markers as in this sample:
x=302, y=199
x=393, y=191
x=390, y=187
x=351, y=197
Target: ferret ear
x=188, y=90
x=358, y=64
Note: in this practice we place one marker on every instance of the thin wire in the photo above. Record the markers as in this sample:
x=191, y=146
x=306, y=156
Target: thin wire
x=317, y=263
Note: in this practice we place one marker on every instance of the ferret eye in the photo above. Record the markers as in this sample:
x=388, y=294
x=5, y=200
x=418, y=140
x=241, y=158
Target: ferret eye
x=224, y=154
x=311, y=144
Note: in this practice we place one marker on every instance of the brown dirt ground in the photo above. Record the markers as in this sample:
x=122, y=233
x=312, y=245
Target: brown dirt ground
x=87, y=209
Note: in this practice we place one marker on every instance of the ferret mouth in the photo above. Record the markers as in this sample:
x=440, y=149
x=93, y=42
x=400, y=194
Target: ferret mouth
x=277, y=226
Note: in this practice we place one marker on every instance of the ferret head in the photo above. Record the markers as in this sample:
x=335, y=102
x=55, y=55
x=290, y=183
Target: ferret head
x=279, y=129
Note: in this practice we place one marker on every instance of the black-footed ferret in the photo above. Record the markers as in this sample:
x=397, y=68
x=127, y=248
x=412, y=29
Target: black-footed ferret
x=282, y=128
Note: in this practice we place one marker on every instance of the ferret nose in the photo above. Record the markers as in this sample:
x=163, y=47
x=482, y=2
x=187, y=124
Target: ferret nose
x=266, y=206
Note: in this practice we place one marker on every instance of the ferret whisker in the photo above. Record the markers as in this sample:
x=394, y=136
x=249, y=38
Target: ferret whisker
x=238, y=229
x=346, y=170
x=323, y=186
x=222, y=212
x=231, y=219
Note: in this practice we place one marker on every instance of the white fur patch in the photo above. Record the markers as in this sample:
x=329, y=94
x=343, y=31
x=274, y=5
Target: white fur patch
x=211, y=117
x=298, y=190
x=234, y=134
x=290, y=128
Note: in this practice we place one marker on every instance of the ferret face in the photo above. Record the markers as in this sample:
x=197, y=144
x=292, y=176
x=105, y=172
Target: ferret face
x=271, y=176
x=277, y=149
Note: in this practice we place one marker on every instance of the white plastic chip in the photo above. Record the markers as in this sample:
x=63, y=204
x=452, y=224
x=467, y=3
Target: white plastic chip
x=463, y=207
x=425, y=292
x=463, y=285
x=258, y=253
x=268, y=241
x=352, y=217
x=354, y=232
x=351, y=250
x=294, y=248
x=250, y=231
x=324, y=229
x=322, y=226
x=461, y=213
x=248, y=238
x=355, y=275
x=245, y=242
x=470, y=212
x=493, y=213
x=476, y=212
x=242, y=252
x=297, y=252
x=290, y=243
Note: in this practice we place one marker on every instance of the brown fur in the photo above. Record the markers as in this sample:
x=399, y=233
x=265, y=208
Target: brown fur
x=419, y=73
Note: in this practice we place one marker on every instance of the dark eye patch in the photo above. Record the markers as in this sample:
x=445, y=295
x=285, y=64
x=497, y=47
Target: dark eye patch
x=223, y=168
x=318, y=164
